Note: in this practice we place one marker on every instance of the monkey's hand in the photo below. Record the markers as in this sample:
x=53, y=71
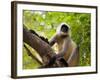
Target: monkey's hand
x=60, y=58
x=52, y=60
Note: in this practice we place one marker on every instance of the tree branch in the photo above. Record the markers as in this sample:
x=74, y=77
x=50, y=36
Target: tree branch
x=44, y=50
x=32, y=56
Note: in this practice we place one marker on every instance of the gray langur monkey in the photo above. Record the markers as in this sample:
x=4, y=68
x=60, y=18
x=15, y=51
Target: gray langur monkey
x=67, y=48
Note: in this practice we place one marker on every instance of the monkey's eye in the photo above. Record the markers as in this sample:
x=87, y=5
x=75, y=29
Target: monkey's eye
x=64, y=28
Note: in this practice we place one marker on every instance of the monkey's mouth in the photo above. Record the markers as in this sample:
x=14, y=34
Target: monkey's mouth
x=64, y=33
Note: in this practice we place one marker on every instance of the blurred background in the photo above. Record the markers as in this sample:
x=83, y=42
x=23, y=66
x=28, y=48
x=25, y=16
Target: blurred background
x=45, y=24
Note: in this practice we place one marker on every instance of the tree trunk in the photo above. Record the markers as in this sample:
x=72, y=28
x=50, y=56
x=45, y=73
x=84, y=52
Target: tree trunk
x=44, y=49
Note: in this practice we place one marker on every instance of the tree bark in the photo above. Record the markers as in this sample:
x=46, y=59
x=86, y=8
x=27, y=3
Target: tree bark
x=44, y=49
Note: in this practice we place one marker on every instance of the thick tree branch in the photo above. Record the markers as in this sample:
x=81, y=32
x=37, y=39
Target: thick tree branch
x=44, y=50
x=31, y=55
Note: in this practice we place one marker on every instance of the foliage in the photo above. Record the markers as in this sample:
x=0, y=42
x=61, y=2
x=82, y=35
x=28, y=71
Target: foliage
x=45, y=24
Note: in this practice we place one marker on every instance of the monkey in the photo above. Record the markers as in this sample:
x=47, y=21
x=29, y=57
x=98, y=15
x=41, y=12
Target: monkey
x=67, y=49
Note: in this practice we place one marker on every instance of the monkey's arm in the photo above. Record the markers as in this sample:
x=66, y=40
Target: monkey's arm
x=53, y=40
x=60, y=55
x=65, y=46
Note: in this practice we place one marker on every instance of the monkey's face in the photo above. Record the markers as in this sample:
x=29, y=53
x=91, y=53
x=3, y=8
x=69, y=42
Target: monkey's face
x=64, y=29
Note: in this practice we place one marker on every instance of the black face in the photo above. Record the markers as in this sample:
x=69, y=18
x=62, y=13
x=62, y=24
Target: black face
x=64, y=28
